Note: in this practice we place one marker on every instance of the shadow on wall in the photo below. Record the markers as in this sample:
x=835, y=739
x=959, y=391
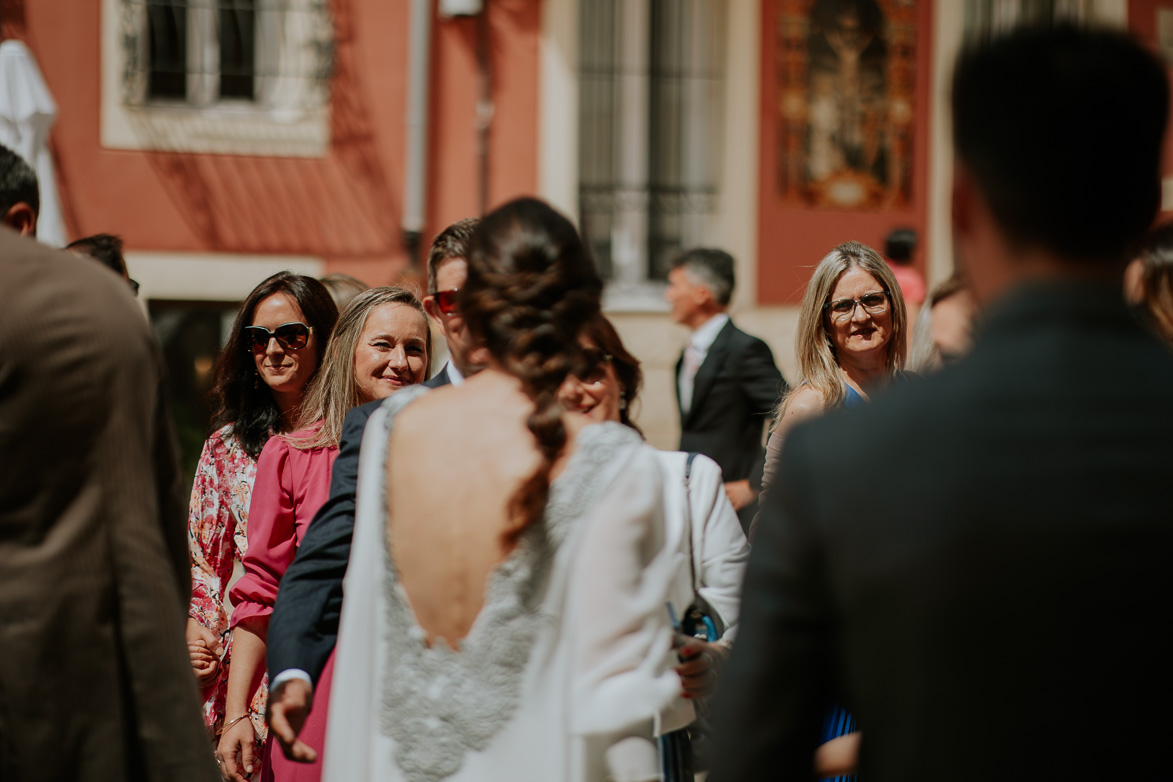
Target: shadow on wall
x=339, y=206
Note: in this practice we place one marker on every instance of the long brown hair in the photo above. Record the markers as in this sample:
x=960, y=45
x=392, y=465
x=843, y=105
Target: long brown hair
x=531, y=287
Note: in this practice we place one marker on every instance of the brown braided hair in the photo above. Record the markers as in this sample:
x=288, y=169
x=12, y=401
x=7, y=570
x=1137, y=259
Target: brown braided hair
x=531, y=287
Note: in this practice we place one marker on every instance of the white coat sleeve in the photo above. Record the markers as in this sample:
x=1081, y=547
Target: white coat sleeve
x=623, y=658
x=719, y=542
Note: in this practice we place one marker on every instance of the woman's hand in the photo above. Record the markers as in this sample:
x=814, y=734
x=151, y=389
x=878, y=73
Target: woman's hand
x=204, y=650
x=700, y=663
x=237, y=751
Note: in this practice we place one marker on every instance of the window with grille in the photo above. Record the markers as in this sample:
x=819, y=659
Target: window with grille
x=650, y=115
x=208, y=52
x=204, y=51
x=232, y=76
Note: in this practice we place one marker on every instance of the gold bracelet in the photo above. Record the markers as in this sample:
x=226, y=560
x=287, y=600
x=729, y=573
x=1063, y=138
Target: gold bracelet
x=230, y=724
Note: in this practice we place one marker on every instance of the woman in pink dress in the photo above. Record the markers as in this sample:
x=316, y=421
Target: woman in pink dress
x=260, y=378
x=381, y=344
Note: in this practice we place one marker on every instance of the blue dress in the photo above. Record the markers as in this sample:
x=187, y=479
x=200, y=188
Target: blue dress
x=839, y=721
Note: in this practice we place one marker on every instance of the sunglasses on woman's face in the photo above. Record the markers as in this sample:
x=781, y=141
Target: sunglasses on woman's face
x=290, y=336
x=446, y=300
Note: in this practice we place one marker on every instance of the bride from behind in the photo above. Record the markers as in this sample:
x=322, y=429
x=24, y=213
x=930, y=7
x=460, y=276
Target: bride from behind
x=505, y=601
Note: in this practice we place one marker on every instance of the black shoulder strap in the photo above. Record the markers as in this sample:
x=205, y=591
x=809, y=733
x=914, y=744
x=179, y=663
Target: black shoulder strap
x=688, y=518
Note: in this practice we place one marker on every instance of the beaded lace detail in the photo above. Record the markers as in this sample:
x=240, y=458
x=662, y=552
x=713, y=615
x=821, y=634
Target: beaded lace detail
x=439, y=704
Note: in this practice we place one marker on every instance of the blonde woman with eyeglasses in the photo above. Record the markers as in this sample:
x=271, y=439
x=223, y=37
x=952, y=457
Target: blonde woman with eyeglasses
x=851, y=343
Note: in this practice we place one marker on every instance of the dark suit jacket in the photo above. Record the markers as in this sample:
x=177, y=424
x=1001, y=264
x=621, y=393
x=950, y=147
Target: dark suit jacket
x=735, y=391
x=304, y=626
x=95, y=680
x=977, y=564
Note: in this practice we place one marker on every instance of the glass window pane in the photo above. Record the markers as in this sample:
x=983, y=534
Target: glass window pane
x=167, y=49
x=237, y=32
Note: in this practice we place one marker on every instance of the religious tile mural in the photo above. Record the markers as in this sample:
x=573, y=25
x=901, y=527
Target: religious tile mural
x=845, y=86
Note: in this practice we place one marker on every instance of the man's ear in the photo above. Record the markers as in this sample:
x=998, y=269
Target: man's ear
x=22, y=219
x=703, y=297
x=433, y=311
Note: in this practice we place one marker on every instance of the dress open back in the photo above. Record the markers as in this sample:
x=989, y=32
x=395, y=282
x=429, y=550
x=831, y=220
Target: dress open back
x=565, y=666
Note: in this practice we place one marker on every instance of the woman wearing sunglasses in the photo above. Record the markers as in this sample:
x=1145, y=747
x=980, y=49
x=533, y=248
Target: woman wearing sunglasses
x=380, y=345
x=259, y=381
x=851, y=342
x=702, y=526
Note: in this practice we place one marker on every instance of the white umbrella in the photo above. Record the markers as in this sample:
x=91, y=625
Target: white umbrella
x=27, y=111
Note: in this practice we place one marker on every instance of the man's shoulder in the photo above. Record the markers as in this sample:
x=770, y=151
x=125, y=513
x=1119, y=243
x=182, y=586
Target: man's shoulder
x=901, y=419
x=739, y=338
x=439, y=379
x=358, y=415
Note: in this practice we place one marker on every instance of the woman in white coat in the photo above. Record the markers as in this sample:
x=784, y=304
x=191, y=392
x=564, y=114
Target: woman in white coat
x=701, y=523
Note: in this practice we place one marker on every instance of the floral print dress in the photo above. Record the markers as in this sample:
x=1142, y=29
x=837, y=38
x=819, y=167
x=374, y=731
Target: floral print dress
x=217, y=526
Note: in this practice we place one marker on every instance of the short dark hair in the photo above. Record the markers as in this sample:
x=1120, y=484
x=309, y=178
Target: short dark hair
x=899, y=244
x=1061, y=128
x=18, y=182
x=453, y=242
x=104, y=248
x=238, y=398
x=713, y=268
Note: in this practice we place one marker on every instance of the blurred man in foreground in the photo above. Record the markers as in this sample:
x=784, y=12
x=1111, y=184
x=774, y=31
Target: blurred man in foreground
x=95, y=682
x=978, y=564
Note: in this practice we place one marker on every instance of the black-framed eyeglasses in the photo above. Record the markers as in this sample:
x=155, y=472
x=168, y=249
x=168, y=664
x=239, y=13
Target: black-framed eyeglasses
x=291, y=336
x=594, y=366
x=134, y=286
x=446, y=300
x=873, y=304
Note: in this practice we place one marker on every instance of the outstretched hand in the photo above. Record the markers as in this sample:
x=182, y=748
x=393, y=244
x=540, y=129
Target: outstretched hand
x=289, y=705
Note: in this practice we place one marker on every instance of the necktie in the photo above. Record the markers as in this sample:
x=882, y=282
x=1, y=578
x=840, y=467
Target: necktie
x=688, y=370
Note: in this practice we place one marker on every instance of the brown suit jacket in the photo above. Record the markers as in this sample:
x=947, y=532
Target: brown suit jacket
x=95, y=682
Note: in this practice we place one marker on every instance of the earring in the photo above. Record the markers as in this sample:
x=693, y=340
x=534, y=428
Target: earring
x=623, y=400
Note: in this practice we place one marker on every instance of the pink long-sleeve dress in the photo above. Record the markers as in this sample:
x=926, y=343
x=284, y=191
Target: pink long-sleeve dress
x=290, y=486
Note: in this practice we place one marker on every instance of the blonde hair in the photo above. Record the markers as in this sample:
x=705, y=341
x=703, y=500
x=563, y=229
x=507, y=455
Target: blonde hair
x=813, y=346
x=335, y=390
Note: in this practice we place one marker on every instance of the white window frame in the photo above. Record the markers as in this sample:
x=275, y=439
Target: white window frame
x=289, y=116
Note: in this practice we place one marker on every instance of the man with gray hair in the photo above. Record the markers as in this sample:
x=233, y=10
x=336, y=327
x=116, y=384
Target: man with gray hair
x=726, y=382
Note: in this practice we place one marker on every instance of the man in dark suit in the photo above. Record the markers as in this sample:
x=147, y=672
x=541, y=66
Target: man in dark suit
x=95, y=680
x=726, y=382
x=304, y=627
x=977, y=564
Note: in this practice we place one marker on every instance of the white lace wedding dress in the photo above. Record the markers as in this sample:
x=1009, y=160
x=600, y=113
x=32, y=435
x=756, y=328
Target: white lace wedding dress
x=564, y=670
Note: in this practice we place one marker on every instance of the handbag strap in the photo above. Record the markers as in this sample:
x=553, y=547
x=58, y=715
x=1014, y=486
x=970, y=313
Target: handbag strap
x=688, y=520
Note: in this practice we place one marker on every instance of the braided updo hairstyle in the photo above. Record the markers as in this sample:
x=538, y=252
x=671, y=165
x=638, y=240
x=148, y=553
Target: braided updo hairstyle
x=531, y=287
